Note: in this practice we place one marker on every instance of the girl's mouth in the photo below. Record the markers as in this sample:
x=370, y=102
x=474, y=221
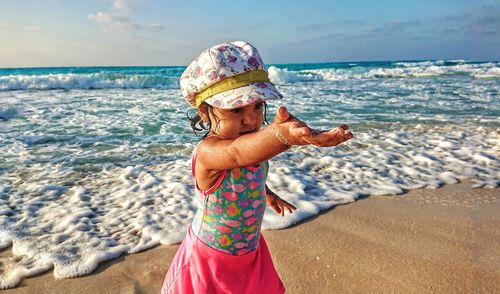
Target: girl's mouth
x=246, y=132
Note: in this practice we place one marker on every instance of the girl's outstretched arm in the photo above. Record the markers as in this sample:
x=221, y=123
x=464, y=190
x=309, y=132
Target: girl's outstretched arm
x=215, y=153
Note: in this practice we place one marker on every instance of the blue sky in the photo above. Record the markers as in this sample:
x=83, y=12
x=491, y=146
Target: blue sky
x=133, y=32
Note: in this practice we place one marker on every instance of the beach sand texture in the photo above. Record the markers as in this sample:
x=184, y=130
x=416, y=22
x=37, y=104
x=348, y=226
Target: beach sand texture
x=425, y=241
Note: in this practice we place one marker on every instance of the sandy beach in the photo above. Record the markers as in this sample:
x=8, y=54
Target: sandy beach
x=425, y=241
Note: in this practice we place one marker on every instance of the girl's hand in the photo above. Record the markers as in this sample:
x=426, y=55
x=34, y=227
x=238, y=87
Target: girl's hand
x=279, y=205
x=292, y=131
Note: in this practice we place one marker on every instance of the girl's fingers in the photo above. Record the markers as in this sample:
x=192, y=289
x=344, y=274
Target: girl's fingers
x=288, y=205
x=342, y=133
x=323, y=139
x=277, y=208
x=339, y=130
x=282, y=115
x=344, y=127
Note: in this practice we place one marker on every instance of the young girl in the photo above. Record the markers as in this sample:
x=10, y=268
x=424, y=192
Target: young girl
x=223, y=251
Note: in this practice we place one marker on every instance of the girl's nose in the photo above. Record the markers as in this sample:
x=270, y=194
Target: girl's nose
x=249, y=118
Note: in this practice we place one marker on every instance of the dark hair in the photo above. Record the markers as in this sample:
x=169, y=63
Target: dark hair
x=197, y=124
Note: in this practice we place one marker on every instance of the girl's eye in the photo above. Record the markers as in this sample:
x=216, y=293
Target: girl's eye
x=236, y=110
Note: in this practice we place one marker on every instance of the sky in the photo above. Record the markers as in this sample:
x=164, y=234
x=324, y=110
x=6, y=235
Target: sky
x=44, y=33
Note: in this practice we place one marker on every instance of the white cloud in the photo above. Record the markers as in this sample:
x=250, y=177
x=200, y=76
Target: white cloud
x=112, y=21
x=32, y=28
x=156, y=26
x=117, y=18
x=395, y=26
x=106, y=17
x=121, y=5
x=3, y=24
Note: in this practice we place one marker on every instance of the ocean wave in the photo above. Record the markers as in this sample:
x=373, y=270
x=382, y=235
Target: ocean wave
x=490, y=73
x=278, y=74
x=423, y=69
x=8, y=113
x=86, y=81
x=282, y=76
x=419, y=63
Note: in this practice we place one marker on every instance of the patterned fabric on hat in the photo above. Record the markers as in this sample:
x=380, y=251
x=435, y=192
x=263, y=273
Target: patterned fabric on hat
x=222, y=61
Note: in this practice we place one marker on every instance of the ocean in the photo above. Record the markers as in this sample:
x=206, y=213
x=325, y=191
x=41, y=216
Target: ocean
x=94, y=161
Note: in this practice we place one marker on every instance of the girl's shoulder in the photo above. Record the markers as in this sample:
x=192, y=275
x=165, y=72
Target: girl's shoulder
x=215, y=153
x=206, y=152
x=208, y=147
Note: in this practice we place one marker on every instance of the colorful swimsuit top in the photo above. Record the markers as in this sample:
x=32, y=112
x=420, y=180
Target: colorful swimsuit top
x=231, y=211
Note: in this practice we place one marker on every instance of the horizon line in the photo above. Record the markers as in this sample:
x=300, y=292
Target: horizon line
x=269, y=64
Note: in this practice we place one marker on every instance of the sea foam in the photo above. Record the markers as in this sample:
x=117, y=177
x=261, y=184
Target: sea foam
x=86, y=81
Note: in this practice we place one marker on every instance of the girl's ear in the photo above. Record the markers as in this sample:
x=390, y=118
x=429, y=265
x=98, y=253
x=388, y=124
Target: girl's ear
x=203, y=112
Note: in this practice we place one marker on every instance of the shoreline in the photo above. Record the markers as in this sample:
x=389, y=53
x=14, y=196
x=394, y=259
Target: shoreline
x=424, y=241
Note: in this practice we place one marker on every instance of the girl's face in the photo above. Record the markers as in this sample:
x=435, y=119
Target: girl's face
x=229, y=124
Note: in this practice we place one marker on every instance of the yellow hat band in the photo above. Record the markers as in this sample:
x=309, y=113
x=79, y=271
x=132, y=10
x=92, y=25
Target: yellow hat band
x=244, y=79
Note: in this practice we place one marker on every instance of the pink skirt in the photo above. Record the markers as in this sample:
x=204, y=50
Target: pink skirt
x=198, y=268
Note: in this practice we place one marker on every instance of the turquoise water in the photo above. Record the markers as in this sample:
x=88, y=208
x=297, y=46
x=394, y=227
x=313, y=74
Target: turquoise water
x=80, y=121
x=125, y=115
x=374, y=91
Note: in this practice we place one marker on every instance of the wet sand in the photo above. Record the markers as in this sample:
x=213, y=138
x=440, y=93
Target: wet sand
x=425, y=241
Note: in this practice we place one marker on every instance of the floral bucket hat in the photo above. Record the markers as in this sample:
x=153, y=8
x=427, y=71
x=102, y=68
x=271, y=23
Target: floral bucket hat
x=229, y=75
